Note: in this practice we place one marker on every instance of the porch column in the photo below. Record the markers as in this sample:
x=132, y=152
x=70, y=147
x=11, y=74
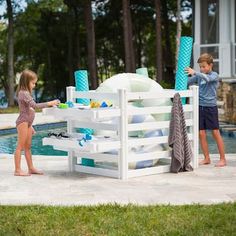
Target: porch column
x=197, y=33
x=225, y=46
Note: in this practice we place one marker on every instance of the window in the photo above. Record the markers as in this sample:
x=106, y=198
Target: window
x=210, y=21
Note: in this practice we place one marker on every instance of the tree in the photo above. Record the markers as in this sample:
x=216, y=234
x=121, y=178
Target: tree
x=158, y=41
x=92, y=65
x=10, y=54
x=179, y=29
x=128, y=37
x=168, y=59
x=73, y=35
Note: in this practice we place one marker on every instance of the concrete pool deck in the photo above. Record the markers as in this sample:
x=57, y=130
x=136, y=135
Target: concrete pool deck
x=8, y=121
x=206, y=185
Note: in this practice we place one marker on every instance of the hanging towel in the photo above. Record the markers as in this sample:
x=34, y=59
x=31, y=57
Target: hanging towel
x=178, y=139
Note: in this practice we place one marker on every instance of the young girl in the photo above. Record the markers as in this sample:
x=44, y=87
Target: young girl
x=24, y=122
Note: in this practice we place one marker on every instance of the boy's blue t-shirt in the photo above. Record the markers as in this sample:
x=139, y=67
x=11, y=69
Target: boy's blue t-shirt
x=208, y=84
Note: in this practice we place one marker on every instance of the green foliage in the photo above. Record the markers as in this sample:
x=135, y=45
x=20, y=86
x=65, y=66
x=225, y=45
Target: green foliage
x=50, y=38
x=119, y=220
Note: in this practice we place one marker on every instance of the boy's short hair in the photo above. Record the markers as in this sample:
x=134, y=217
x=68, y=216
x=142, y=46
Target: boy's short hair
x=205, y=57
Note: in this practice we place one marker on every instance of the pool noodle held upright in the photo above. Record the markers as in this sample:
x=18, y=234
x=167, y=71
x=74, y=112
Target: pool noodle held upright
x=81, y=84
x=184, y=59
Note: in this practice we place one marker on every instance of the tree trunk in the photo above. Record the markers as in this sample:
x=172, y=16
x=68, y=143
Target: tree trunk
x=158, y=42
x=10, y=54
x=179, y=29
x=128, y=40
x=169, y=67
x=91, y=45
x=70, y=47
x=77, y=43
x=131, y=40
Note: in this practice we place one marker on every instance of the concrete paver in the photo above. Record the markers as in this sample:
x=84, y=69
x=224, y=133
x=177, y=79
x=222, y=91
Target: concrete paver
x=206, y=185
x=8, y=121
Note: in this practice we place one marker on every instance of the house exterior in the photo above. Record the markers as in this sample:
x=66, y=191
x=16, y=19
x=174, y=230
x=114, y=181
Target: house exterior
x=215, y=33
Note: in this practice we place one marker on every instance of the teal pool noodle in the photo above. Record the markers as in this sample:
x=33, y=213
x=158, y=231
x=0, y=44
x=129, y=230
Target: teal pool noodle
x=142, y=71
x=184, y=59
x=81, y=84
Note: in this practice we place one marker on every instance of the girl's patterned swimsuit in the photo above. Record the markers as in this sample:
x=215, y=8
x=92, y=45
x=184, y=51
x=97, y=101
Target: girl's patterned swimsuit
x=26, y=107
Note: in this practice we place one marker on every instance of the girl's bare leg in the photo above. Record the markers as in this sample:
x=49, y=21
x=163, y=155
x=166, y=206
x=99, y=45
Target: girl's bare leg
x=22, y=130
x=28, y=155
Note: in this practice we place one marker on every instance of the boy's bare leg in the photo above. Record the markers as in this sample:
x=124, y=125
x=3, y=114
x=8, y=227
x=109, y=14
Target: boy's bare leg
x=204, y=146
x=220, y=144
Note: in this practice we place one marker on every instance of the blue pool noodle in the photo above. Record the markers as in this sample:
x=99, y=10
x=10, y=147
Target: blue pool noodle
x=184, y=59
x=81, y=84
x=142, y=71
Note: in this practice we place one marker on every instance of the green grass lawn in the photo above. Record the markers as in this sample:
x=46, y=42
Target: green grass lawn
x=9, y=110
x=14, y=109
x=119, y=220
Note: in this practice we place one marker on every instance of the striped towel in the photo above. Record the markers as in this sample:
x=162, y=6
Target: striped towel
x=178, y=139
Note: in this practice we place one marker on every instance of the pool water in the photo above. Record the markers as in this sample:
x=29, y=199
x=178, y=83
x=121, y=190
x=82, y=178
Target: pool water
x=229, y=143
x=8, y=144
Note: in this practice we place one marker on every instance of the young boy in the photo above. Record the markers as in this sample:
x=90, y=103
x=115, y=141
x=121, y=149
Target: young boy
x=208, y=82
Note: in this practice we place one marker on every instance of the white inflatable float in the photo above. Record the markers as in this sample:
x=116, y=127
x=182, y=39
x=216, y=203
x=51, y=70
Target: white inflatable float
x=138, y=83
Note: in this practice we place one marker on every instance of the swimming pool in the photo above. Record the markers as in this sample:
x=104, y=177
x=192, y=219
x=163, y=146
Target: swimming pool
x=229, y=139
x=8, y=143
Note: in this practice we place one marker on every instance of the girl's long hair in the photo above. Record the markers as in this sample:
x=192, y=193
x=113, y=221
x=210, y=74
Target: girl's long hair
x=25, y=78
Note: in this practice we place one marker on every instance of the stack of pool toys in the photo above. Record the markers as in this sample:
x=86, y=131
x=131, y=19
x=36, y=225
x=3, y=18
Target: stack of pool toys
x=95, y=104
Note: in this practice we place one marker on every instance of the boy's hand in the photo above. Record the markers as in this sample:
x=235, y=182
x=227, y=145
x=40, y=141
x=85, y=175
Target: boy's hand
x=190, y=71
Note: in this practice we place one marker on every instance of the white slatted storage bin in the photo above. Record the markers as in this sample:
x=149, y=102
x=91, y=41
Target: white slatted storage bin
x=112, y=153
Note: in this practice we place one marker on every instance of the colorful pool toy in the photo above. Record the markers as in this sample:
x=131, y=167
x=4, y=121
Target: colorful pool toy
x=63, y=106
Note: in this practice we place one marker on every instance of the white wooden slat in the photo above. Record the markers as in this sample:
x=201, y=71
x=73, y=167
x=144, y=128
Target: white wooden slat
x=151, y=140
x=152, y=95
x=69, y=113
x=97, y=171
x=154, y=125
x=99, y=156
x=148, y=171
x=148, y=156
x=95, y=125
x=95, y=95
x=195, y=115
x=155, y=110
x=94, y=146
x=69, y=144
x=106, y=112
x=87, y=114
